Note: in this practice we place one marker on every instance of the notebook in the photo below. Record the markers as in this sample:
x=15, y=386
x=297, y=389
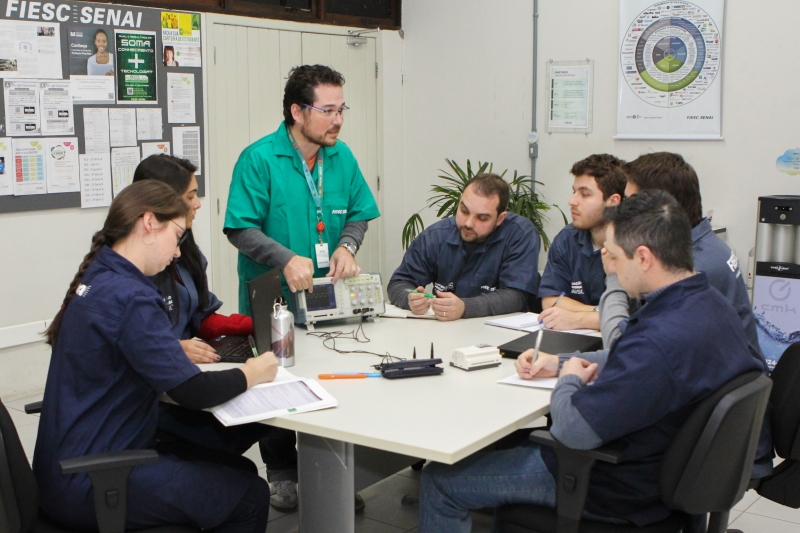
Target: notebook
x=553, y=342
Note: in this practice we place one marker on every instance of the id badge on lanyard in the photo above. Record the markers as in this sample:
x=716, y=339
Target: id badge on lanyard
x=321, y=248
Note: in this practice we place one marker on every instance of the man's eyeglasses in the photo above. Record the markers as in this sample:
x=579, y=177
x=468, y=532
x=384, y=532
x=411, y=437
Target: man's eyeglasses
x=329, y=113
x=184, y=236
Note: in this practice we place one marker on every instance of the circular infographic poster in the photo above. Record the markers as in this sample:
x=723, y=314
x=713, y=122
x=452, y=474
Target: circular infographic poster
x=670, y=54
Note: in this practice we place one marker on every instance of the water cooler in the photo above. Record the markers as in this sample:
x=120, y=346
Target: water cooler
x=776, y=289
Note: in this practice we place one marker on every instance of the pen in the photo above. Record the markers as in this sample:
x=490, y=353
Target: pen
x=554, y=305
x=350, y=376
x=425, y=294
x=538, y=343
x=252, y=345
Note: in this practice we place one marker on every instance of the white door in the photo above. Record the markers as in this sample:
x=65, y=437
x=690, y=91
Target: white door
x=248, y=70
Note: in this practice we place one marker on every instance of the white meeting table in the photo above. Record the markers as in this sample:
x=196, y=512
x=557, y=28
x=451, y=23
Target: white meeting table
x=441, y=418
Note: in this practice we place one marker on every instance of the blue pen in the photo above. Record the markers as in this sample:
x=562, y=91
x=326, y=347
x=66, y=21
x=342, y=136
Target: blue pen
x=368, y=374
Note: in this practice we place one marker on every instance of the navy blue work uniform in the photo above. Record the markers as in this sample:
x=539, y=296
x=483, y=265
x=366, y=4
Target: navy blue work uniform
x=574, y=267
x=650, y=384
x=183, y=301
x=114, y=356
x=506, y=259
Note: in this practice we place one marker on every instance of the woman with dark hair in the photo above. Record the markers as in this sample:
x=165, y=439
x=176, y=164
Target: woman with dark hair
x=102, y=62
x=113, y=356
x=169, y=57
x=184, y=285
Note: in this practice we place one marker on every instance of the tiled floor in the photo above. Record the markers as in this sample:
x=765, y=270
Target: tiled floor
x=386, y=514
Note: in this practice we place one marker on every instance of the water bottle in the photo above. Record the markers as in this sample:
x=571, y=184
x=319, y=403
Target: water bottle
x=283, y=334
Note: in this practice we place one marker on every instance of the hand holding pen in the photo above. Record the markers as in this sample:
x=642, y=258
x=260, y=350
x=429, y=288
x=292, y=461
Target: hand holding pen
x=419, y=302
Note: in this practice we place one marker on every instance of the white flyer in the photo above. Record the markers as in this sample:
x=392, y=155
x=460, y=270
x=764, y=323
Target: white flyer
x=57, y=110
x=95, y=180
x=149, y=149
x=123, y=164
x=149, y=123
x=29, y=49
x=122, y=127
x=92, y=89
x=670, y=61
x=29, y=167
x=61, y=155
x=96, y=136
x=23, y=115
x=6, y=167
x=180, y=98
x=186, y=145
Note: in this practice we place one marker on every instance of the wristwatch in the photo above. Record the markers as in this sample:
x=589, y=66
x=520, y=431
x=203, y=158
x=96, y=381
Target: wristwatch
x=596, y=308
x=352, y=248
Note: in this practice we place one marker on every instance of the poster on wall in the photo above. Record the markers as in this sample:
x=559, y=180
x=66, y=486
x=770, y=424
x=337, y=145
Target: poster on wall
x=669, y=65
x=29, y=49
x=136, y=67
x=570, y=96
x=180, y=35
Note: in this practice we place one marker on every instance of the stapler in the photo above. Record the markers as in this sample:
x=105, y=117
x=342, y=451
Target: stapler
x=476, y=357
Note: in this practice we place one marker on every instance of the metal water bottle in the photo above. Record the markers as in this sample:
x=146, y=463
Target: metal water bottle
x=283, y=334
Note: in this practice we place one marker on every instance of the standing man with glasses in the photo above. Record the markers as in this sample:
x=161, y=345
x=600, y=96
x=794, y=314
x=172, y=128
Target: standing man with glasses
x=298, y=202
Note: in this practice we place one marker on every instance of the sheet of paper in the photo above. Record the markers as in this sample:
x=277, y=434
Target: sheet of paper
x=180, y=34
x=123, y=164
x=92, y=89
x=29, y=49
x=57, y=111
x=61, y=155
x=392, y=311
x=95, y=180
x=522, y=322
x=148, y=124
x=6, y=167
x=122, y=127
x=535, y=383
x=29, y=167
x=186, y=145
x=136, y=66
x=180, y=98
x=96, y=136
x=149, y=149
x=23, y=114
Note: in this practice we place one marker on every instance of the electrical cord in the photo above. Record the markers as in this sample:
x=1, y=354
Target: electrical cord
x=329, y=339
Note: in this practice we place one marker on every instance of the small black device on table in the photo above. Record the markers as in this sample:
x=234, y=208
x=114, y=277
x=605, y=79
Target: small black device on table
x=553, y=342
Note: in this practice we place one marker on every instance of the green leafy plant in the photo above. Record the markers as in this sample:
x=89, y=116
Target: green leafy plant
x=522, y=200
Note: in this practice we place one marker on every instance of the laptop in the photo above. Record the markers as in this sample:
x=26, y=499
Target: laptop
x=553, y=342
x=263, y=291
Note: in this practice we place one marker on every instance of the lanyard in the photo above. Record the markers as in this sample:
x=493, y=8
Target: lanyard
x=316, y=194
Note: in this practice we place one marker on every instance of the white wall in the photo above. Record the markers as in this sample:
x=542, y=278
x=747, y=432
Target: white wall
x=759, y=109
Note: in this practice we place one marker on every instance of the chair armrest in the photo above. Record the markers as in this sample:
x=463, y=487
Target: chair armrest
x=33, y=408
x=109, y=473
x=607, y=455
x=108, y=461
x=572, y=485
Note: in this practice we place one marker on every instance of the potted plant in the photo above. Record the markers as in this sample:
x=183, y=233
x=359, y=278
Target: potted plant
x=522, y=200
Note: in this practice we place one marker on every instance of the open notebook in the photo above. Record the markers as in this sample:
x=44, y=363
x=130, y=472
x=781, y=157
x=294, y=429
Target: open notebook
x=529, y=322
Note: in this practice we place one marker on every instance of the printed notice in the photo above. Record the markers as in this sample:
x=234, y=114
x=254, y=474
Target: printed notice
x=29, y=167
x=122, y=127
x=22, y=107
x=92, y=89
x=180, y=98
x=136, y=67
x=180, y=34
x=61, y=156
x=29, y=49
x=123, y=164
x=186, y=145
x=96, y=136
x=57, y=110
x=6, y=167
x=148, y=123
x=149, y=149
x=95, y=180
x=569, y=96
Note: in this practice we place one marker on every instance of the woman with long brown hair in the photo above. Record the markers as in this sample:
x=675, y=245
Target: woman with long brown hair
x=114, y=355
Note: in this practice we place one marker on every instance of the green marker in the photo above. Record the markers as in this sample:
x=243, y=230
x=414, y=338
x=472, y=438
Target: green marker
x=425, y=294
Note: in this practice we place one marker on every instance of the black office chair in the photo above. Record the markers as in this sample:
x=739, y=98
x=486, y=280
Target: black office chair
x=783, y=486
x=706, y=469
x=19, y=493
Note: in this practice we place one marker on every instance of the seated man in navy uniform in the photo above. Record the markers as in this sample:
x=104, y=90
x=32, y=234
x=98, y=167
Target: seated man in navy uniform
x=680, y=347
x=574, y=267
x=482, y=261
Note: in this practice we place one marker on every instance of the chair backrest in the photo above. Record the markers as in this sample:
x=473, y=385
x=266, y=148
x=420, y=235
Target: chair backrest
x=19, y=494
x=708, y=465
x=785, y=401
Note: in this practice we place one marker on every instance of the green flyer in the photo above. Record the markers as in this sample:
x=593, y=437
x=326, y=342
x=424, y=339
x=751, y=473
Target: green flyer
x=136, y=67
